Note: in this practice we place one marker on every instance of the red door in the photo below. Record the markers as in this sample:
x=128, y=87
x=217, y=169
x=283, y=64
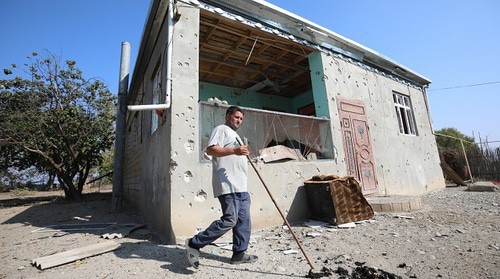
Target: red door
x=357, y=144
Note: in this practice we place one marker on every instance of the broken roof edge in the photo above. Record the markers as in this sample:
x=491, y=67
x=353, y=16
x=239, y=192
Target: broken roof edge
x=298, y=26
x=275, y=17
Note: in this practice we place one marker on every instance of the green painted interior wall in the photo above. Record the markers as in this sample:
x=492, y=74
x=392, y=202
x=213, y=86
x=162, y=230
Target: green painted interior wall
x=302, y=100
x=235, y=96
x=318, y=85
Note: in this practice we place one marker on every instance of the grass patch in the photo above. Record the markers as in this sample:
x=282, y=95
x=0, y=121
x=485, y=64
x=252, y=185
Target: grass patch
x=22, y=192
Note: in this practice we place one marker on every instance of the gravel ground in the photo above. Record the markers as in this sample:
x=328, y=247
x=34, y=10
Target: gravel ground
x=455, y=235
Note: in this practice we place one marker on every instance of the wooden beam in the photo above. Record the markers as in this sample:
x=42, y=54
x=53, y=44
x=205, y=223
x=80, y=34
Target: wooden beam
x=74, y=255
x=238, y=55
x=229, y=77
x=452, y=174
x=264, y=37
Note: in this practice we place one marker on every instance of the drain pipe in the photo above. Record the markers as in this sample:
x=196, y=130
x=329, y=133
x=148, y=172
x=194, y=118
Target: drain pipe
x=168, y=89
x=120, y=128
x=427, y=107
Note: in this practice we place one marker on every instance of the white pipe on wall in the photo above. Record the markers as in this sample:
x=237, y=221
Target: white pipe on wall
x=170, y=41
x=168, y=87
x=148, y=107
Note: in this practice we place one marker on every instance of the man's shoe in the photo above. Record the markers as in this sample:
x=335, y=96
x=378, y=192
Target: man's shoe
x=243, y=258
x=193, y=255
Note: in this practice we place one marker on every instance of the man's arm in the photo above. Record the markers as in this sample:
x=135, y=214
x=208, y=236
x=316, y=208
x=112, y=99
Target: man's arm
x=218, y=151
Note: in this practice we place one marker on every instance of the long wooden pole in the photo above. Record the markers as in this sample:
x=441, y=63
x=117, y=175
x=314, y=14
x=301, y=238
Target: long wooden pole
x=279, y=209
x=466, y=161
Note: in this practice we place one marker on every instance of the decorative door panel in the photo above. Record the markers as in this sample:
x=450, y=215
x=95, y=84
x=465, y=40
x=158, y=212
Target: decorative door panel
x=357, y=144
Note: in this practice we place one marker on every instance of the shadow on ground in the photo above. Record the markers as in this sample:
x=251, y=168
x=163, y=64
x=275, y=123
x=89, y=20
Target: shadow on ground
x=43, y=211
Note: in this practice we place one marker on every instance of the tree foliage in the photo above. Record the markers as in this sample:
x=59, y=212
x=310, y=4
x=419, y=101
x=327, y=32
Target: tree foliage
x=105, y=169
x=55, y=119
x=450, y=142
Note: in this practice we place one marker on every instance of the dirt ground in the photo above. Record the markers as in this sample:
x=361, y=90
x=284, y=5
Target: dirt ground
x=455, y=235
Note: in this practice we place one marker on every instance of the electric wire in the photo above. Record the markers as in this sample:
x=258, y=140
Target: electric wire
x=464, y=86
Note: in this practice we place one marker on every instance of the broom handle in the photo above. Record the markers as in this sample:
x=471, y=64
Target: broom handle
x=279, y=209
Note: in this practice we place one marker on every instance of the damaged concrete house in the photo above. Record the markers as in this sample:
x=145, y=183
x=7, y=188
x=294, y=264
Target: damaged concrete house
x=348, y=110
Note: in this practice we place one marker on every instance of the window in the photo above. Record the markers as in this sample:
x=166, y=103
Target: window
x=404, y=113
x=156, y=98
x=268, y=128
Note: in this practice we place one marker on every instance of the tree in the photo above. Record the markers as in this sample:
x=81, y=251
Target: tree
x=56, y=120
x=104, y=170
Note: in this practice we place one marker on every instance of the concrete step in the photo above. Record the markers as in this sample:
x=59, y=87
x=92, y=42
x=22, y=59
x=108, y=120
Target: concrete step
x=394, y=203
x=482, y=186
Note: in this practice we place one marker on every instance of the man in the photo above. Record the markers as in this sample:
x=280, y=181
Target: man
x=229, y=183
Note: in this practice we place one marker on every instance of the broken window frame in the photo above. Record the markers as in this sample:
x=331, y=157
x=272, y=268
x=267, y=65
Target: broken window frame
x=404, y=113
x=261, y=127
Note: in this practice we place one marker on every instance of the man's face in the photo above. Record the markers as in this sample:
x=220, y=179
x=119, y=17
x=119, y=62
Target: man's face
x=234, y=120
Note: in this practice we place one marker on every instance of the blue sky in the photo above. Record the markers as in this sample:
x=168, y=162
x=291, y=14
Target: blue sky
x=453, y=43
x=89, y=32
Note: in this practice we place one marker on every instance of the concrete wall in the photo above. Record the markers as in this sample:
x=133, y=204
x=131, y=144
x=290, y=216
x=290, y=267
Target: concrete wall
x=147, y=155
x=405, y=165
x=156, y=186
x=197, y=207
x=187, y=179
x=133, y=159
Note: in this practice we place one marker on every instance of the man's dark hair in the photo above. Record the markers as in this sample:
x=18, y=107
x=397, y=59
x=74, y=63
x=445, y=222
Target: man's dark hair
x=232, y=109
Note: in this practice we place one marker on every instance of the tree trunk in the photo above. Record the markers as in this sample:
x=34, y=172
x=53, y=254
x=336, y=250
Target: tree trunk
x=70, y=191
x=50, y=182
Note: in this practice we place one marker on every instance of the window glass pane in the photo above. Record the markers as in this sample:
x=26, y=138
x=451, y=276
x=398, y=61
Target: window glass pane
x=406, y=101
x=400, y=121
x=400, y=100
x=405, y=121
x=413, y=129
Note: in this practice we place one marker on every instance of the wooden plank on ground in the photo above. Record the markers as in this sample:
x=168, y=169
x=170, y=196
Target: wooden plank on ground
x=74, y=255
x=452, y=174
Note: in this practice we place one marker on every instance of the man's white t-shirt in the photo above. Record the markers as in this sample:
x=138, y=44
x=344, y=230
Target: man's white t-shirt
x=229, y=173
